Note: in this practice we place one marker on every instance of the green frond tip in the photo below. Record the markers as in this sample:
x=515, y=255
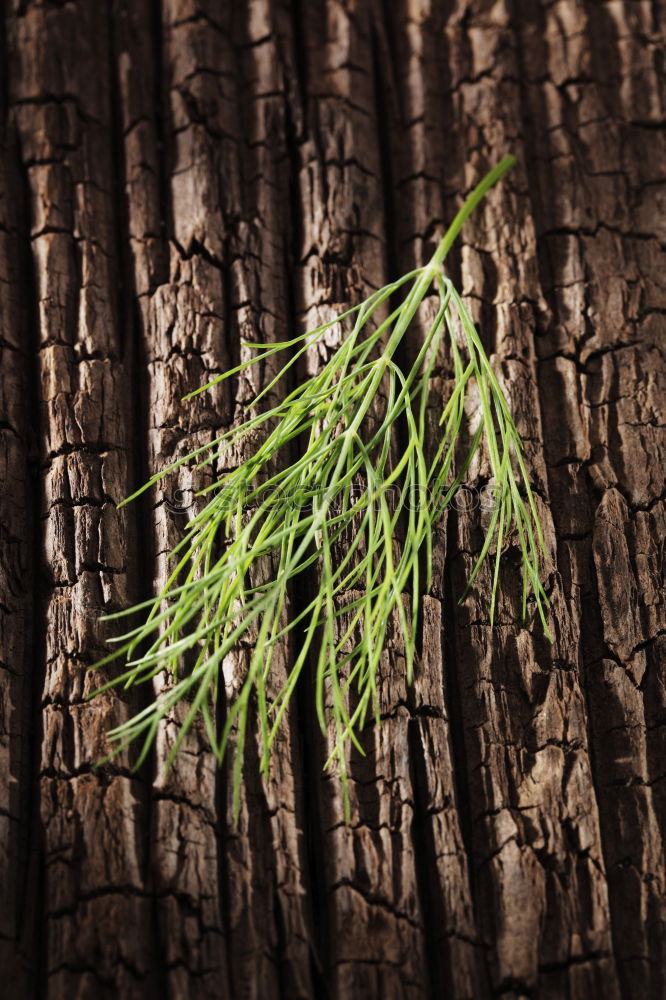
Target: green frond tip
x=330, y=490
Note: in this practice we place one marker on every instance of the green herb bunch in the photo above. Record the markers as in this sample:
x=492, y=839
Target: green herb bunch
x=209, y=604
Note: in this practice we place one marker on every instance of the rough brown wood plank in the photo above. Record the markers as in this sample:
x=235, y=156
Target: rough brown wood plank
x=179, y=297
x=372, y=936
x=89, y=823
x=598, y=143
x=225, y=228
x=17, y=556
x=268, y=872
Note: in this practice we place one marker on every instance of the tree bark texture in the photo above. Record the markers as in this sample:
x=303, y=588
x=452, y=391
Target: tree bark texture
x=175, y=177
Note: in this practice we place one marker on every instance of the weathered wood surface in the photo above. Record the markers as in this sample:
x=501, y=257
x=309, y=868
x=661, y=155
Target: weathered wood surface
x=176, y=176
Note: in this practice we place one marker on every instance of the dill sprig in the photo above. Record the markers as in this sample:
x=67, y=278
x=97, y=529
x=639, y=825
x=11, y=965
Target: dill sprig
x=296, y=510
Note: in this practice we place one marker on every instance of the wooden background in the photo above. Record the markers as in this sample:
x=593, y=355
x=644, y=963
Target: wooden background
x=176, y=175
